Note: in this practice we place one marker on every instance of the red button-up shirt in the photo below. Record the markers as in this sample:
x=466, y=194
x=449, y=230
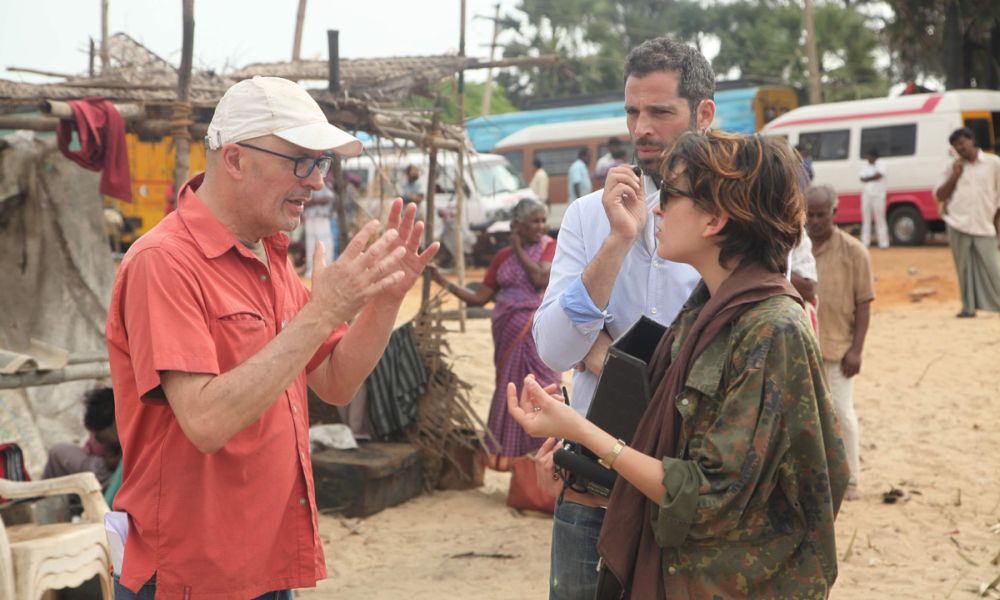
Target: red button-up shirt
x=242, y=521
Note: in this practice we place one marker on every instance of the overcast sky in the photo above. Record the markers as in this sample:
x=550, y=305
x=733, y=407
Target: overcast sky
x=53, y=35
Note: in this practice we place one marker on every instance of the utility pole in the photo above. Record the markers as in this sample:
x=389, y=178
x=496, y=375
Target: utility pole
x=299, y=20
x=459, y=228
x=488, y=88
x=812, y=56
x=105, y=59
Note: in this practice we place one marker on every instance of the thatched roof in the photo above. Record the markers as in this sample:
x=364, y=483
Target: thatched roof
x=135, y=74
x=385, y=78
x=138, y=74
x=369, y=87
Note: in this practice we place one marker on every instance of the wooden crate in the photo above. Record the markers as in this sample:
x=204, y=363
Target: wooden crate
x=364, y=481
x=467, y=466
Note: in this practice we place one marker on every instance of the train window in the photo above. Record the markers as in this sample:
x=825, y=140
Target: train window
x=895, y=140
x=556, y=161
x=981, y=127
x=825, y=145
x=626, y=147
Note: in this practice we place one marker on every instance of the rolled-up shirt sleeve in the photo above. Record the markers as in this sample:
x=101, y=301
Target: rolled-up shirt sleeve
x=580, y=308
x=567, y=322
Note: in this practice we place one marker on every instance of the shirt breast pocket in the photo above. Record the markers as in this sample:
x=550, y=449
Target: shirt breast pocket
x=238, y=335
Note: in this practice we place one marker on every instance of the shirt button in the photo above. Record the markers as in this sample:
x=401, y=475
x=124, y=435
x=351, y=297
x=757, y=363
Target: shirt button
x=302, y=455
x=263, y=277
x=295, y=408
x=672, y=570
x=302, y=501
x=685, y=402
x=653, y=310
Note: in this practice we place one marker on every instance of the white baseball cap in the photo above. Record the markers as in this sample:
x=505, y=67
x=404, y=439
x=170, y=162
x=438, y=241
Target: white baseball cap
x=275, y=106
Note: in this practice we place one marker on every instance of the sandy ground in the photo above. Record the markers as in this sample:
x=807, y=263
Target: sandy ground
x=928, y=404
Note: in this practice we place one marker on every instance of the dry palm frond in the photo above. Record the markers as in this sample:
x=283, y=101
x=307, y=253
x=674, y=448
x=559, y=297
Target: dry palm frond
x=445, y=417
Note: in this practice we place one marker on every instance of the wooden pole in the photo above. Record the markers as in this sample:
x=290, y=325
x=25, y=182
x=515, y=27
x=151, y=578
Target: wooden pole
x=62, y=110
x=44, y=72
x=300, y=18
x=488, y=87
x=93, y=52
x=420, y=138
x=459, y=228
x=105, y=58
x=182, y=108
x=92, y=370
x=151, y=127
x=340, y=204
x=333, y=60
x=425, y=294
x=815, y=94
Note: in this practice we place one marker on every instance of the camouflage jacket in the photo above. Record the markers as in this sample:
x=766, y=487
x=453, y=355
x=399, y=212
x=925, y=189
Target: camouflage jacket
x=750, y=503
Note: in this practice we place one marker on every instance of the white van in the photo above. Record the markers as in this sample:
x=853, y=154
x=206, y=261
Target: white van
x=911, y=134
x=491, y=188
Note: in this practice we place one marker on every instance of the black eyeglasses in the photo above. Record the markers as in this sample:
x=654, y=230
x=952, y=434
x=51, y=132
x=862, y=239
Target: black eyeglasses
x=304, y=165
x=667, y=190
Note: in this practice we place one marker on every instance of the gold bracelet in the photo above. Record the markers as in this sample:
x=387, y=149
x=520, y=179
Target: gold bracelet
x=609, y=460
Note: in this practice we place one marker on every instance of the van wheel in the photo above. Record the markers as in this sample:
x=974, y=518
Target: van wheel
x=906, y=226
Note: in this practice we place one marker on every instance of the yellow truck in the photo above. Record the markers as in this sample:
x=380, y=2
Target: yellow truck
x=152, y=167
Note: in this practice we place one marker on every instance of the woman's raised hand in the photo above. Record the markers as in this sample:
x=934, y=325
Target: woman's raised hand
x=540, y=413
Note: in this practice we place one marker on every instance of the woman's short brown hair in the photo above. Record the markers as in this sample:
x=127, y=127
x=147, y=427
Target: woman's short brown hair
x=754, y=180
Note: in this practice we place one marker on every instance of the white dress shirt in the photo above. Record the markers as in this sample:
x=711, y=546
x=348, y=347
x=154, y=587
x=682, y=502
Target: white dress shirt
x=646, y=285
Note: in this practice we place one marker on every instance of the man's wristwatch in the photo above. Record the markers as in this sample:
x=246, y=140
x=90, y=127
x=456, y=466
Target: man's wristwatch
x=609, y=459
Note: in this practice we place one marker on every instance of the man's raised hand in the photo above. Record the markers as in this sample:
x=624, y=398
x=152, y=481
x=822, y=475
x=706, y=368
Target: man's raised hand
x=624, y=202
x=342, y=288
x=411, y=233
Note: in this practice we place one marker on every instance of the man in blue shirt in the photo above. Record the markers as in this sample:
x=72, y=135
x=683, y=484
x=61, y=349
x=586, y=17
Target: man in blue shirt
x=606, y=274
x=579, y=176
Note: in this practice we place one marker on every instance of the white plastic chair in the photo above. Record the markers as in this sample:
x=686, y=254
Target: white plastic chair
x=35, y=558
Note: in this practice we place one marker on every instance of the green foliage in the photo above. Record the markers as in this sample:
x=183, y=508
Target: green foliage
x=920, y=48
x=571, y=29
x=847, y=42
x=766, y=39
x=474, y=92
x=758, y=38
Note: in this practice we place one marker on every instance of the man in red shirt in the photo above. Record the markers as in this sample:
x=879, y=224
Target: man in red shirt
x=213, y=340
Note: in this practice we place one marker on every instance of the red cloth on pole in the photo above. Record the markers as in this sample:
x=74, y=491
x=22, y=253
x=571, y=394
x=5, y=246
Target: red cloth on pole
x=102, y=144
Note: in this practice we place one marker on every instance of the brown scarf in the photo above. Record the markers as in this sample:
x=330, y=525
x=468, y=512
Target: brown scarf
x=627, y=541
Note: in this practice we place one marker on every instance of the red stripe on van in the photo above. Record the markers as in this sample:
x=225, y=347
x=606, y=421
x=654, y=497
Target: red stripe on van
x=849, y=205
x=927, y=107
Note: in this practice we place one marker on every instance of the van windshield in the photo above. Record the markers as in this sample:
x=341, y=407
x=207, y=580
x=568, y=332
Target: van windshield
x=494, y=178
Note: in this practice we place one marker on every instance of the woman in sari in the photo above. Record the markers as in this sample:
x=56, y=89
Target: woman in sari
x=731, y=483
x=516, y=279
